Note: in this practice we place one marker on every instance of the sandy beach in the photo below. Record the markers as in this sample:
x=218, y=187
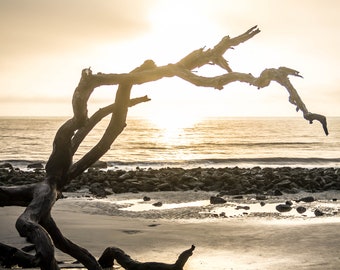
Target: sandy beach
x=248, y=240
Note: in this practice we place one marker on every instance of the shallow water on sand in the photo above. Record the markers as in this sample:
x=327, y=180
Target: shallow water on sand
x=240, y=242
x=197, y=205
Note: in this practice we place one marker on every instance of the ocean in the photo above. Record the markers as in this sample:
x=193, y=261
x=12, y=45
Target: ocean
x=211, y=142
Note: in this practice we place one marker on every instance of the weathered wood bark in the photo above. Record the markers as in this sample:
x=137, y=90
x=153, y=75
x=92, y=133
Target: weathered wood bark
x=36, y=222
x=10, y=256
x=113, y=253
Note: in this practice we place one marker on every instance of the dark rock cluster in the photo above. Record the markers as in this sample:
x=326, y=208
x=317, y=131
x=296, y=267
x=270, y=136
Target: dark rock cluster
x=226, y=181
x=10, y=176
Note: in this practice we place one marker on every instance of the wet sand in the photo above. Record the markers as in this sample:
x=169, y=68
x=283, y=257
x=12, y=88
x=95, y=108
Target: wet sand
x=221, y=243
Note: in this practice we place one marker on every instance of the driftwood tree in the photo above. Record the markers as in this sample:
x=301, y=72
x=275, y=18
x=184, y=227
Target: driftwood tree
x=37, y=224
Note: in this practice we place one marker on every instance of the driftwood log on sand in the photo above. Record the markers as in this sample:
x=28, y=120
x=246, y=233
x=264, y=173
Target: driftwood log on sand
x=36, y=223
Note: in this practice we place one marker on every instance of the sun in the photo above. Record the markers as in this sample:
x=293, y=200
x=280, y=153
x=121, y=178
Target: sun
x=173, y=120
x=172, y=125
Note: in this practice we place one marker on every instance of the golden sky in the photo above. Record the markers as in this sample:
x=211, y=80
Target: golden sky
x=45, y=45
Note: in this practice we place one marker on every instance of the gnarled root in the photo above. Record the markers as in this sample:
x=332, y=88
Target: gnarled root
x=11, y=256
x=113, y=253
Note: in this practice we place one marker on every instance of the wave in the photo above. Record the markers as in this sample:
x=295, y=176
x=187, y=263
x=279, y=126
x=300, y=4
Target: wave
x=241, y=162
x=211, y=162
x=21, y=161
x=276, y=160
x=248, y=144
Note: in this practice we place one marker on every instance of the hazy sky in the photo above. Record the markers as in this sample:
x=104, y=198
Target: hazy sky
x=45, y=45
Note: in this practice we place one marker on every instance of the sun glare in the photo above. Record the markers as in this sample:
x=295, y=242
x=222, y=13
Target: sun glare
x=181, y=20
x=172, y=125
x=173, y=120
x=167, y=17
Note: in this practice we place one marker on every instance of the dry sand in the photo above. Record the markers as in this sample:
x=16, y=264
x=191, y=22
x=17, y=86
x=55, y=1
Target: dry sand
x=243, y=242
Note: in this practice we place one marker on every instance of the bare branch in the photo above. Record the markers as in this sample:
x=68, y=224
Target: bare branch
x=11, y=256
x=228, y=42
x=199, y=57
x=280, y=75
x=36, y=223
x=193, y=60
x=16, y=195
x=68, y=247
x=116, y=125
x=96, y=118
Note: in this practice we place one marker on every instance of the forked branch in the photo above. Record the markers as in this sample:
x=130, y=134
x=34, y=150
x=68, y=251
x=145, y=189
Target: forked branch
x=183, y=69
x=37, y=224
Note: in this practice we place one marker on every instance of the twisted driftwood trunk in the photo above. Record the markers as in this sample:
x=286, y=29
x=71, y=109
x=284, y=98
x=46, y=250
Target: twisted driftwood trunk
x=36, y=222
x=112, y=253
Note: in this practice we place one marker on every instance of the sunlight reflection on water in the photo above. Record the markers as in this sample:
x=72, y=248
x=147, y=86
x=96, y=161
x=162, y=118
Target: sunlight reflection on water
x=231, y=209
x=186, y=142
x=146, y=207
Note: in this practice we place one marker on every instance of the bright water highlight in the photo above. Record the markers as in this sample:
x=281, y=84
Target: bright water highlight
x=212, y=142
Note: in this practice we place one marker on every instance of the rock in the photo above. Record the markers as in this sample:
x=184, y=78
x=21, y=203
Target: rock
x=284, y=184
x=98, y=190
x=330, y=185
x=126, y=175
x=222, y=214
x=217, y=200
x=283, y=208
x=290, y=203
x=301, y=209
x=223, y=181
x=146, y=199
x=108, y=191
x=157, y=204
x=306, y=199
x=188, y=177
x=37, y=165
x=99, y=165
x=262, y=203
x=277, y=192
x=292, y=190
x=164, y=187
x=6, y=165
x=154, y=225
x=318, y=213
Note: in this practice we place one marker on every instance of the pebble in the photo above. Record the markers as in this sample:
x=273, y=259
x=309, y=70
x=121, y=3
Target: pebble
x=233, y=181
x=301, y=209
x=157, y=204
x=217, y=200
x=318, y=213
x=283, y=208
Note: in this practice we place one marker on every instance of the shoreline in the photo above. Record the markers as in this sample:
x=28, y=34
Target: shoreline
x=226, y=181
x=234, y=243
x=256, y=240
x=203, y=206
